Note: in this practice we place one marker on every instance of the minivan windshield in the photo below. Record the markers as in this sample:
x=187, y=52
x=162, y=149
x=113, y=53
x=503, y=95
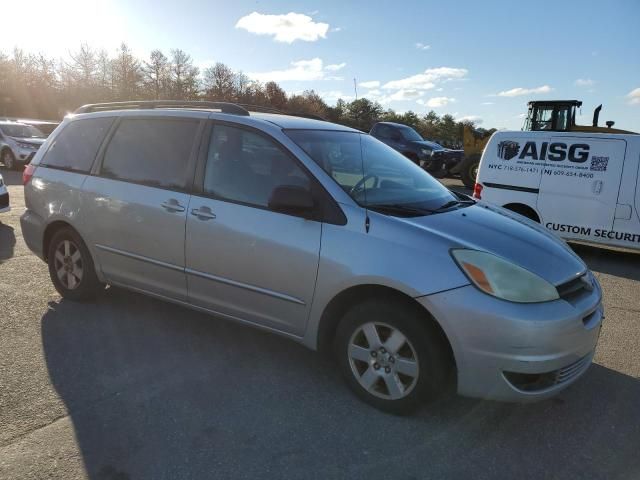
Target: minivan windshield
x=373, y=174
x=21, y=131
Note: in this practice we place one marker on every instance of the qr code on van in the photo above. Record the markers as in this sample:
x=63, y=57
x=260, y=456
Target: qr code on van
x=599, y=164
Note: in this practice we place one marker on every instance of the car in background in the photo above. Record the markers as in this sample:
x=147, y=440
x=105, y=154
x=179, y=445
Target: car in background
x=4, y=197
x=433, y=157
x=19, y=142
x=45, y=126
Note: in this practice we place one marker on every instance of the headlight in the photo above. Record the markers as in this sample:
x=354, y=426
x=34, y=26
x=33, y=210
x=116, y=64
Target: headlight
x=426, y=152
x=503, y=279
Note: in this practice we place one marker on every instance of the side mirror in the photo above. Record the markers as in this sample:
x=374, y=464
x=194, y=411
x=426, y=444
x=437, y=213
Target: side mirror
x=293, y=200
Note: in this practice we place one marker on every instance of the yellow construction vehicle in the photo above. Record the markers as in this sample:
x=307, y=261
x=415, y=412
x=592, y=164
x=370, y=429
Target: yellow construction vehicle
x=542, y=115
x=474, y=141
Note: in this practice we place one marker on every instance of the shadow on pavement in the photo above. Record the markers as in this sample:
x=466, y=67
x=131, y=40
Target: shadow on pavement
x=157, y=391
x=7, y=242
x=620, y=263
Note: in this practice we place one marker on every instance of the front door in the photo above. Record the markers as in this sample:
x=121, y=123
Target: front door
x=242, y=259
x=137, y=204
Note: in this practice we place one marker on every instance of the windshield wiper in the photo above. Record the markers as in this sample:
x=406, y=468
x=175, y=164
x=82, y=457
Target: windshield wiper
x=453, y=203
x=399, y=209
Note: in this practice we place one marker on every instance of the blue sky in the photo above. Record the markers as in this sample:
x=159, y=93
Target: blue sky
x=482, y=60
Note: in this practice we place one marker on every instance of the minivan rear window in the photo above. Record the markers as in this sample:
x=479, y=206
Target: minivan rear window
x=75, y=148
x=151, y=151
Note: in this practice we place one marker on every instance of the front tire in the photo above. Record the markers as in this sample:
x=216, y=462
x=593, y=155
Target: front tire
x=71, y=266
x=469, y=171
x=391, y=356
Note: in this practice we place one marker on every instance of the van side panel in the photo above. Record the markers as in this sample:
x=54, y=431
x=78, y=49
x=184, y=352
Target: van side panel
x=582, y=186
x=626, y=225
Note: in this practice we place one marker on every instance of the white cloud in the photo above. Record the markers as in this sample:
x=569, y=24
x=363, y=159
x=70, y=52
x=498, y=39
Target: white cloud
x=284, y=28
x=333, y=96
x=470, y=118
x=519, y=91
x=374, y=93
x=427, y=79
x=634, y=97
x=437, y=102
x=301, y=70
x=422, y=46
x=405, y=95
x=487, y=103
x=584, y=82
x=370, y=84
x=334, y=67
x=439, y=89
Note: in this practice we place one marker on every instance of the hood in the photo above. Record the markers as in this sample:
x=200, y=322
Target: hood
x=427, y=144
x=507, y=235
x=31, y=140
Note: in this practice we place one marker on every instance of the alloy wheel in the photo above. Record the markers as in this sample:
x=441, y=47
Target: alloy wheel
x=68, y=264
x=383, y=360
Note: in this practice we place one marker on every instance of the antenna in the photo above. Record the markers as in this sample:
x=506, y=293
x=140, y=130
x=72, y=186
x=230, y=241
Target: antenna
x=355, y=87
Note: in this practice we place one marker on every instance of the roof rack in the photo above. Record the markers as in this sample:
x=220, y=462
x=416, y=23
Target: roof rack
x=264, y=109
x=224, y=107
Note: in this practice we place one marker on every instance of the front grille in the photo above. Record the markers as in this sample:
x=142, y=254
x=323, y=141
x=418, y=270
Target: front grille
x=536, y=382
x=575, y=288
x=4, y=200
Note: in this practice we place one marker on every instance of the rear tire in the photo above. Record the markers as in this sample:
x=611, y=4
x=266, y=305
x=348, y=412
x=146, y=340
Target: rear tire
x=71, y=266
x=391, y=356
x=9, y=159
x=469, y=171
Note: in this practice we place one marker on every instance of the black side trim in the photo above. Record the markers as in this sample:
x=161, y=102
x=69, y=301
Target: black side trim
x=512, y=187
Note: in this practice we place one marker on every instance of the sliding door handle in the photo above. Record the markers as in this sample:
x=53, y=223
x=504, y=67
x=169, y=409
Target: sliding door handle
x=172, y=206
x=203, y=213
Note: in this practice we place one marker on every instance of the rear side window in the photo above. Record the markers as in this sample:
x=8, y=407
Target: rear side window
x=75, y=148
x=153, y=152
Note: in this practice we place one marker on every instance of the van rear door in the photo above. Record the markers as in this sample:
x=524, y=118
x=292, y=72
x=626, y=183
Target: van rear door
x=580, y=184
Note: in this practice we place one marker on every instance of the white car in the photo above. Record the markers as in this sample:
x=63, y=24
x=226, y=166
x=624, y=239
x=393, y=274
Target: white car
x=4, y=197
x=579, y=185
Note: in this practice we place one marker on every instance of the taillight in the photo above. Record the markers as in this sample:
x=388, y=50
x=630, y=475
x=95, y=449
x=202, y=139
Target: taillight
x=27, y=173
x=477, y=191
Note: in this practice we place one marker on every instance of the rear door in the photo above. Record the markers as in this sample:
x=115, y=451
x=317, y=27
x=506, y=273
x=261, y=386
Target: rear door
x=580, y=185
x=136, y=205
x=242, y=259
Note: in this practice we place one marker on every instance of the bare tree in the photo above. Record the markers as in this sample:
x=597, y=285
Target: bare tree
x=156, y=73
x=84, y=65
x=219, y=82
x=184, y=76
x=126, y=74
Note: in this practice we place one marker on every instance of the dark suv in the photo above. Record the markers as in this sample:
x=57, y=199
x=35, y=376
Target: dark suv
x=431, y=156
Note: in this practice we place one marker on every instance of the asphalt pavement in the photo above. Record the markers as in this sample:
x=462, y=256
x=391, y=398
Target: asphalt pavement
x=133, y=388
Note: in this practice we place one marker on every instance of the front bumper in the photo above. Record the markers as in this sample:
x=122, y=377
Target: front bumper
x=517, y=352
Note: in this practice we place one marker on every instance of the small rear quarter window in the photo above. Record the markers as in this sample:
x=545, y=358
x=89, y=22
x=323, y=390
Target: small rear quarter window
x=76, y=146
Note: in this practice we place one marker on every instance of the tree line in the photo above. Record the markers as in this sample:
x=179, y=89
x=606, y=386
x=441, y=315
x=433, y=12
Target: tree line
x=36, y=86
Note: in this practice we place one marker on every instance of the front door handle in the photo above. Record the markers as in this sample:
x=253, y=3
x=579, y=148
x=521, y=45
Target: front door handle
x=172, y=205
x=203, y=213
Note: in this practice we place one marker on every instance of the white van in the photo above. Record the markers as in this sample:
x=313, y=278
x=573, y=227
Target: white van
x=581, y=186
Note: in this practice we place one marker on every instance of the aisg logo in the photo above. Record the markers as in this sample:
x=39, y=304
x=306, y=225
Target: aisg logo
x=507, y=149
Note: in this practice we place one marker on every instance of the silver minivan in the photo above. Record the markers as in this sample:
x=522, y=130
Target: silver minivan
x=317, y=232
